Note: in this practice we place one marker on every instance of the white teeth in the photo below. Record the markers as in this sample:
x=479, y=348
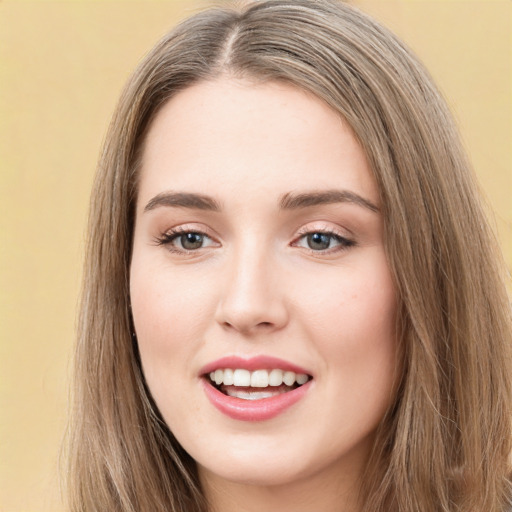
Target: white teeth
x=228, y=377
x=242, y=378
x=302, y=378
x=275, y=378
x=289, y=378
x=251, y=395
x=258, y=378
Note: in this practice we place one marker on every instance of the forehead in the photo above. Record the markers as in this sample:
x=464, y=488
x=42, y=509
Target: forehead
x=241, y=135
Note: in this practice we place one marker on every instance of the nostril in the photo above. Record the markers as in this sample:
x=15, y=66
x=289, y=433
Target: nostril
x=244, y=328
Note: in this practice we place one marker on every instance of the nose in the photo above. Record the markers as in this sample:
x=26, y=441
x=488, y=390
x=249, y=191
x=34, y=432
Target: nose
x=253, y=296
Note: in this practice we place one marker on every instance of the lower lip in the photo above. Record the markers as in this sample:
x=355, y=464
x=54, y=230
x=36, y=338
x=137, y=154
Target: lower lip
x=254, y=410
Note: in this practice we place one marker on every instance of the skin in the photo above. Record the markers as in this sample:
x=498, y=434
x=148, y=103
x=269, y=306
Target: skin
x=256, y=287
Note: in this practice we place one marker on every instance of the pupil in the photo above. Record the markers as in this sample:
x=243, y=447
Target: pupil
x=192, y=241
x=319, y=241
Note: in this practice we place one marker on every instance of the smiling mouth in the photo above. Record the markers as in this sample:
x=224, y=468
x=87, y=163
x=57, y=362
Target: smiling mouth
x=255, y=385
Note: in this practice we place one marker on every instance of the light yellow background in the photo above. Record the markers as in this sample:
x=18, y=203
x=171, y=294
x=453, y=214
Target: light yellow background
x=62, y=65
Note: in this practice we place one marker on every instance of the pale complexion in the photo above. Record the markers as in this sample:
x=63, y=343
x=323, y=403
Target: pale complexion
x=258, y=232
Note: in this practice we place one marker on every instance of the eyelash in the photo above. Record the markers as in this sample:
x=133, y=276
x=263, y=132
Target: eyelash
x=167, y=239
x=344, y=243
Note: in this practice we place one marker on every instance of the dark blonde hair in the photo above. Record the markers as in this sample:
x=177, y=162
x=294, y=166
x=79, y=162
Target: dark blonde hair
x=445, y=443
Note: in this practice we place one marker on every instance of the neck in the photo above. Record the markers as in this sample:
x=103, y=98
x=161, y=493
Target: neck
x=315, y=493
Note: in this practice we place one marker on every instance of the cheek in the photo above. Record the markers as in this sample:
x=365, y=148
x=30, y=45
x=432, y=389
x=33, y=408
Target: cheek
x=352, y=318
x=169, y=311
x=166, y=317
x=354, y=305
x=164, y=301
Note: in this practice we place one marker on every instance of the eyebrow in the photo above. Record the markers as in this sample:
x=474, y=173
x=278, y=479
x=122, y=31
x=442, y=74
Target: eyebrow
x=288, y=201
x=183, y=200
x=304, y=200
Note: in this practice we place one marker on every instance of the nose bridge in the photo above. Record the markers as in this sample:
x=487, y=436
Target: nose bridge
x=252, y=299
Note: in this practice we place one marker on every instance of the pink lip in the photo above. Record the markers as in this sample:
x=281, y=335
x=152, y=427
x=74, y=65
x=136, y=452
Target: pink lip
x=253, y=410
x=251, y=364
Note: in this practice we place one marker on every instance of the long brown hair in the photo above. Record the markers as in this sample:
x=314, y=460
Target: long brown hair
x=445, y=443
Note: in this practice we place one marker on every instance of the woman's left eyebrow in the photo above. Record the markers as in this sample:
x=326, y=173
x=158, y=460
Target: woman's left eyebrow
x=292, y=201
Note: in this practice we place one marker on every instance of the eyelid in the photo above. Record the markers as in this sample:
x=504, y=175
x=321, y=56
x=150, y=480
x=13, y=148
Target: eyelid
x=345, y=241
x=324, y=227
x=193, y=227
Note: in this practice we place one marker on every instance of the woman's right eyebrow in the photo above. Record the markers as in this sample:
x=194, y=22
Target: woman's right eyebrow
x=183, y=200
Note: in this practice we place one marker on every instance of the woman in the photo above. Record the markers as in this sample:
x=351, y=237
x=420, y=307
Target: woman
x=292, y=299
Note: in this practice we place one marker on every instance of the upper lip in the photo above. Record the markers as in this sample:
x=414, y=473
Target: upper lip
x=261, y=362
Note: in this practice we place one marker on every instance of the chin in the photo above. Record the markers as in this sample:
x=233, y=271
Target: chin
x=261, y=472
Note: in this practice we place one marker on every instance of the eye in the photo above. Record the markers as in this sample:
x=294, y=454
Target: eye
x=179, y=240
x=190, y=241
x=322, y=241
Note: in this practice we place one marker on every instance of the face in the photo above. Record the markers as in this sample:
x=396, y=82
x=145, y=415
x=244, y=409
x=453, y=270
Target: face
x=258, y=256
